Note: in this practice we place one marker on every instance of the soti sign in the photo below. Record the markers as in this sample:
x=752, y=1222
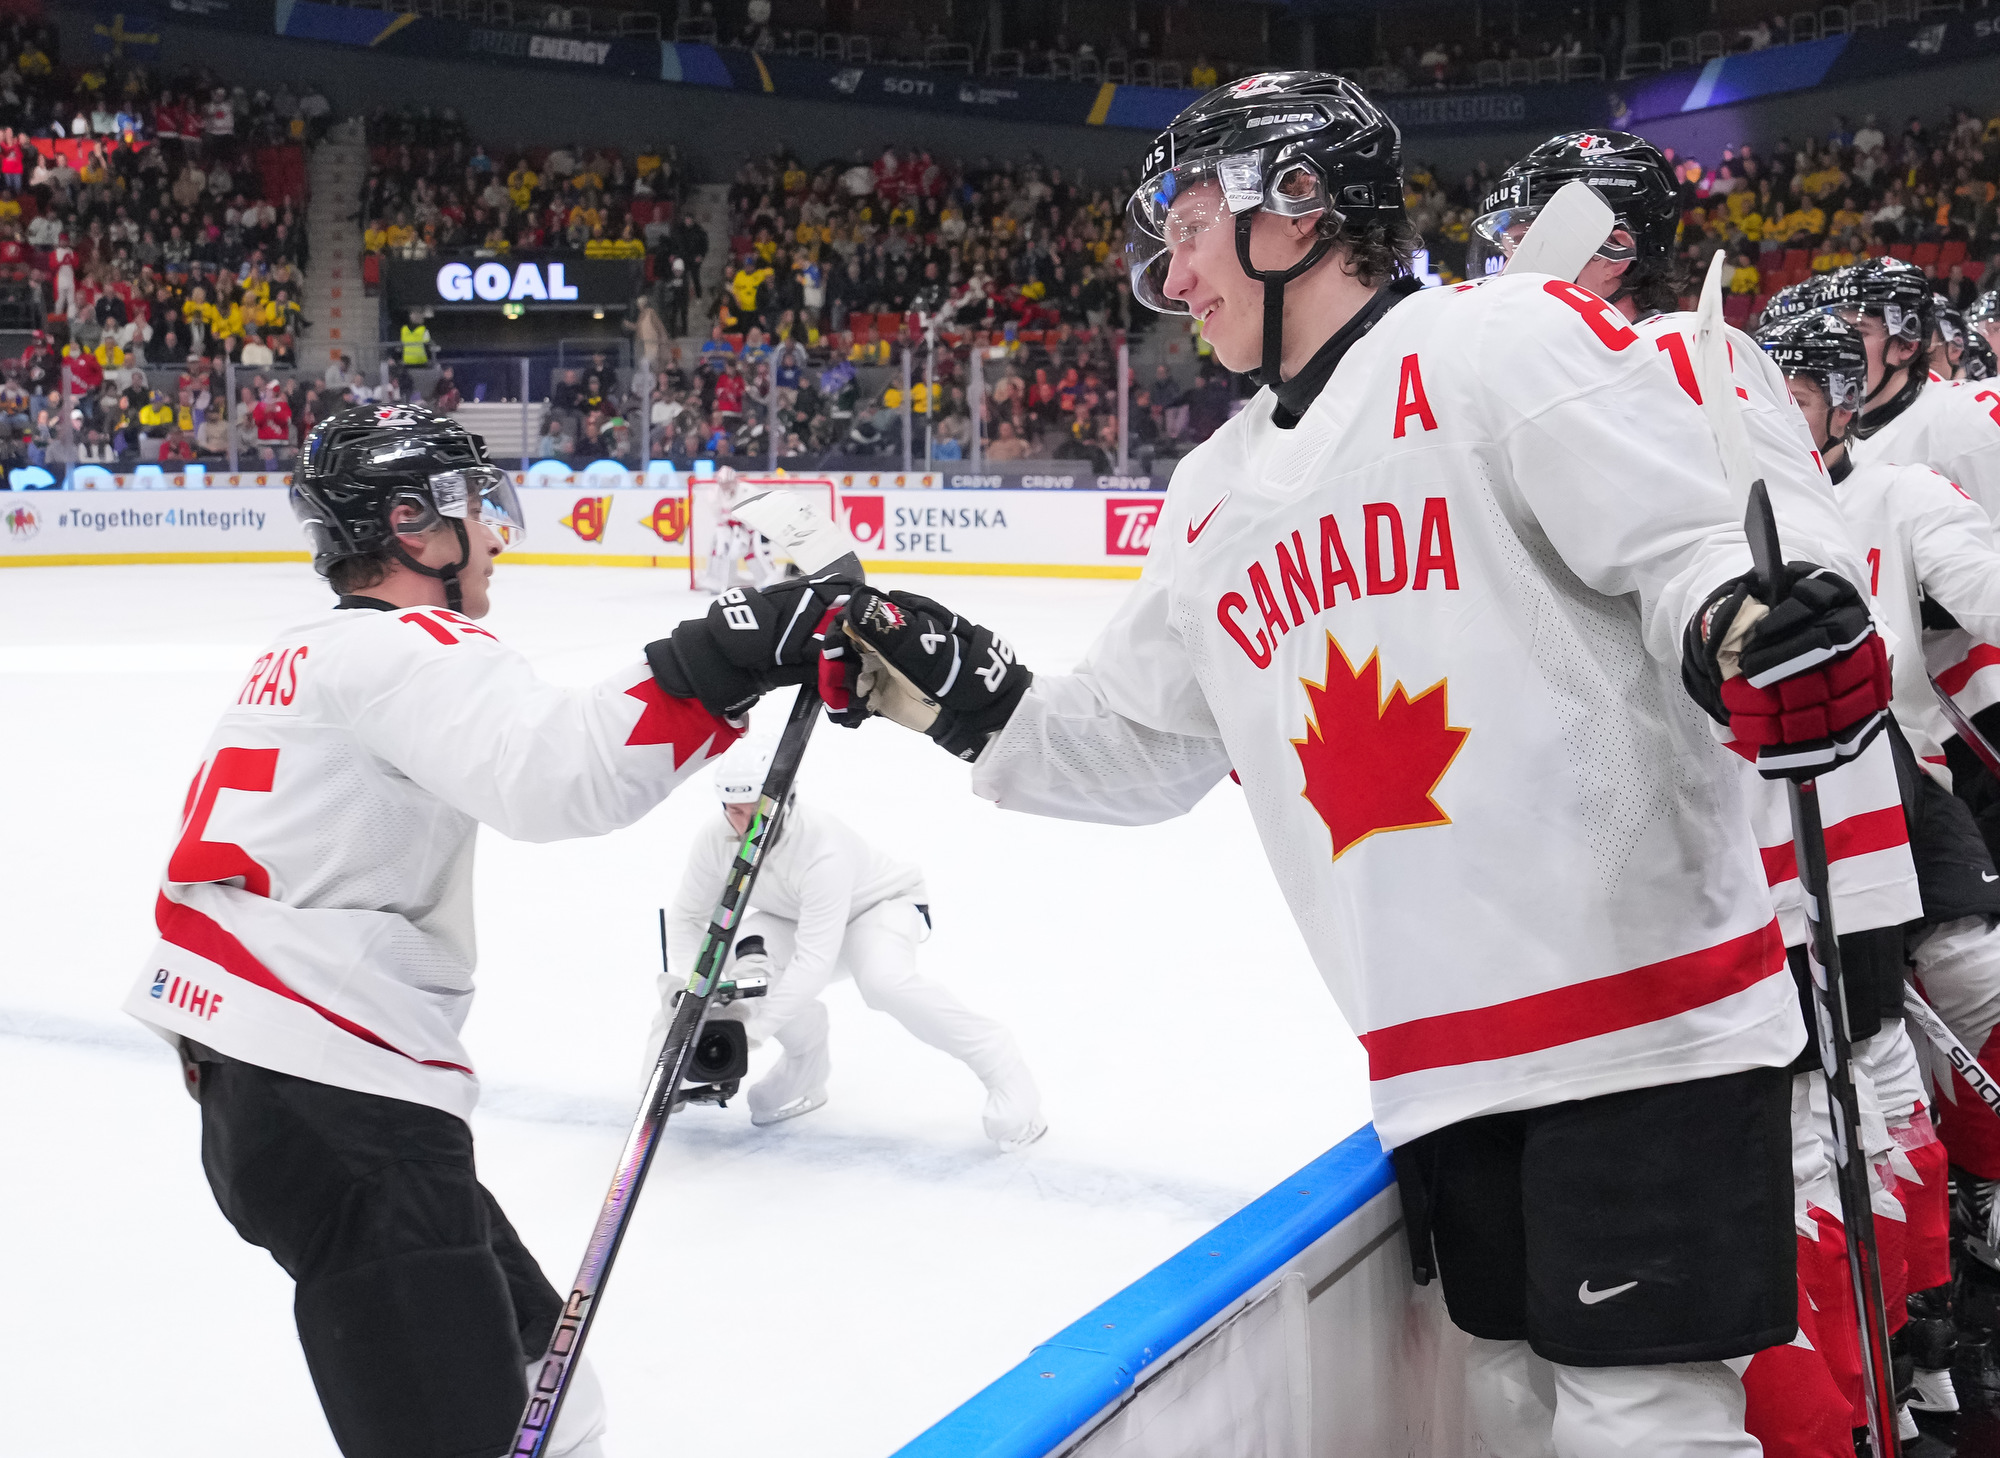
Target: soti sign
x=460, y=283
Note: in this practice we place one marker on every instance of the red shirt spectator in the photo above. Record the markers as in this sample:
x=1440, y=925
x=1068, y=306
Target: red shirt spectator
x=729, y=394
x=274, y=419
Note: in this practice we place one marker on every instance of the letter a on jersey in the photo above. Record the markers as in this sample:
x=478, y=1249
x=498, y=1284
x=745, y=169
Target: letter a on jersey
x=1371, y=765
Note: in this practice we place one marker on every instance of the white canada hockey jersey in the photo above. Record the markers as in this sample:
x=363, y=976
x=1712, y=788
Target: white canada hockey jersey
x=1869, y=867
x=316, y=914
x=1954, y=428
x=1435, y=630
x=820, y=875
x=1923, y=536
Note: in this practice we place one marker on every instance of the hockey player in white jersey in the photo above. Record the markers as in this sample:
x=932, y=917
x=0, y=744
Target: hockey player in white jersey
x=827, y=904
x=315, y=955
x=1872, y=874
x=1528, y=878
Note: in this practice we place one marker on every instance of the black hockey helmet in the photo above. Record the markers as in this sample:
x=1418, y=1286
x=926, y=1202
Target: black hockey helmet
x=1796, y=299
x=1896, y=292
x=1978, y=362
x=1628, y=172
x=357, y=466
x=1294, y=142
x=1984, y=309
x=1822, y=347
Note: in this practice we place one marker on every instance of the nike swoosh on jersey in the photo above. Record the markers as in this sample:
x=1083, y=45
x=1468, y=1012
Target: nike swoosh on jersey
x=1195, y=529
x=1984, y=877
x=1590, y=1298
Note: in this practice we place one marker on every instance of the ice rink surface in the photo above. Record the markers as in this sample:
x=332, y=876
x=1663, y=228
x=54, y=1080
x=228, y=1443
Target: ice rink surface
x=826, y=1287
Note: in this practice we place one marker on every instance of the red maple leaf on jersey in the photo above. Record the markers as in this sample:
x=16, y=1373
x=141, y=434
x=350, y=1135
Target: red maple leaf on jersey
x=683, y=723
x=1371, y=764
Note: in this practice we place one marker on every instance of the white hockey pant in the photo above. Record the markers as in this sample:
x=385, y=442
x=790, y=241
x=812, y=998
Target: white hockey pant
x=880, y=954
x=1958, y=964
x=1522, y=1406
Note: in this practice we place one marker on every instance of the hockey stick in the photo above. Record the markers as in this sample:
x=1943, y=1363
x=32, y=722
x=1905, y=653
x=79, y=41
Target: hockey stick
x=552, y=1378
x=1978, y=743
x=1830, y=1026
x=1956, y=1053
x=558, y=1366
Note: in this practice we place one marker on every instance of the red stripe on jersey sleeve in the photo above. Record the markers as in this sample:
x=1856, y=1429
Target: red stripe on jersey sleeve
x=1983, y=655
x=202, y=935
x=1585, y=1010
x=1857, y=835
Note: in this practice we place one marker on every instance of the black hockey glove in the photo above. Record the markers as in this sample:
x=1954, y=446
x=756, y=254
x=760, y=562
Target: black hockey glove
x=752, y=641
x=928, y=669
x=1806, y=684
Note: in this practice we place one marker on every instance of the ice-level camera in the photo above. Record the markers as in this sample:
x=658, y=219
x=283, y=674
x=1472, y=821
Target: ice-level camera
x=722, y=1050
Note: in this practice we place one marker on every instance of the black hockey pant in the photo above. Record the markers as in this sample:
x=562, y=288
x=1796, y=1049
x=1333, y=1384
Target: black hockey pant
x=417, y=1305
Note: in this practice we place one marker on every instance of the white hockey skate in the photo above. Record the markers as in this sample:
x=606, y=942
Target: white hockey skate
x=804, y=1104
x=1037, y=1127
x=1934, y=1393
x=1012, y=1116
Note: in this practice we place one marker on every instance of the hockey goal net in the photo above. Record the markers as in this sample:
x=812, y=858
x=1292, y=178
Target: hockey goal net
x=722, y=551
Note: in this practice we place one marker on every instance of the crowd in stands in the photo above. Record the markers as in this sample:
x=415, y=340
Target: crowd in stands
x=431, y=190
x=1925, y=191
x=151, y=233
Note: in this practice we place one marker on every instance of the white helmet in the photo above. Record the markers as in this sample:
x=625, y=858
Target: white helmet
x=739, y=775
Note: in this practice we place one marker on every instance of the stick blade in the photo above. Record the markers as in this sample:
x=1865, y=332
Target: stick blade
x=799, y=527
x=1570, y=228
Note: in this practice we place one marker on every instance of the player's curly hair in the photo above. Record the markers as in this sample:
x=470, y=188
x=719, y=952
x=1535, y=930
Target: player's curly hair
x=1657, y=285
x=1375, y=251
x=357, y=574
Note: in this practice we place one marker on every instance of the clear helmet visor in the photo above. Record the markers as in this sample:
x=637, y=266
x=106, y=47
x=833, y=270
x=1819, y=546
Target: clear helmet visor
x=1899, y=322
x=1169, y=212
x=484, y=494
x=1174, y=208
x=1497, y=234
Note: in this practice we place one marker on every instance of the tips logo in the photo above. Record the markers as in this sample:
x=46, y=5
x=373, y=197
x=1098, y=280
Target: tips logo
x=865, y=519
x=589, y=517
x=22, y=523
x=1128, y=526
x=1372, y=765
x=669, y=521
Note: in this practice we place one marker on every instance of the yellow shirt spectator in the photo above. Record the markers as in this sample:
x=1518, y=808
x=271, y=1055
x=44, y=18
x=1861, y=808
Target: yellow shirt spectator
x=401, y=235
x=767, y=249
x=228, y=321
x=1202, y=77
x=1744, y=278
x=155, y=415
x=745, y=285
x=1846, y=220
x=1740, y=203
x=375, y=237
x=32, y=62
x=647, y=163
x=795, y=178
x=1819, y=184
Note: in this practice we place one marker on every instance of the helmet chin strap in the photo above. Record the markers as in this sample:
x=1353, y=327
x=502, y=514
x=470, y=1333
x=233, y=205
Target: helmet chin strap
x=1274, y=281
x=454, y=595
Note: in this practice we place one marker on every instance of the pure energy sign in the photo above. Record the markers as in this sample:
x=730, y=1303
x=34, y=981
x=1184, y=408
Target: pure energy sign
x=461, y=283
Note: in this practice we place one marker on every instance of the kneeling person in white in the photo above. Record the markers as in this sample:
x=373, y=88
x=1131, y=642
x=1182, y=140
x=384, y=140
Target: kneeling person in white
x=827, y=904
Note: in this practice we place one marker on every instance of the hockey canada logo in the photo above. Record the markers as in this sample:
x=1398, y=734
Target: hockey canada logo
x=589, y=517
x=669, y=519
x=865, y=518
x=22, y=523
x=1373, y=765
x=1128, y=526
